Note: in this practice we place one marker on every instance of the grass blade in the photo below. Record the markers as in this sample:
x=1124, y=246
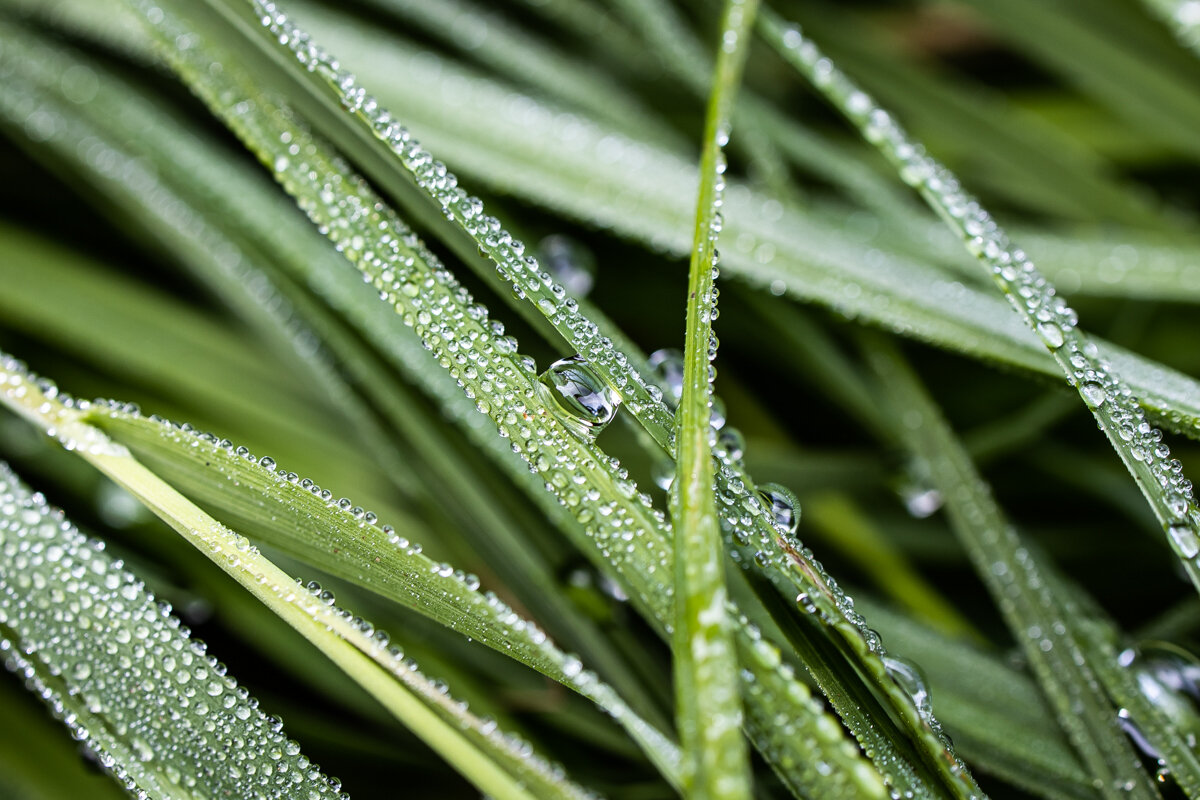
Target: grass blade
x=268, y=228
x=709, y=709
x=1001, y=721
x=641, y=197
x=290, y=513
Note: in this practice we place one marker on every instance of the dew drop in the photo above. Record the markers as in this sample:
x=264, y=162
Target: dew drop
x=1051, y=334
x=1169, y=678
x=908, y=677
x=733, y=443
x=1185, y=540
x=663, y=473
x=717, y=414
x=1094, y=394
x=580, y=398
x=920, y=501
x=569, y=262
x=783, y=505
x=668, y=368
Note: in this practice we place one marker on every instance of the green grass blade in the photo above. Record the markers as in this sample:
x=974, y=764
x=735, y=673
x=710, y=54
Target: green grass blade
x=643, y=198
x=1015, y=153
x=1034, y=614
x=1100, y=382
x=1177, y=754
x=98, y=648
x=528, y=59
x=683, y=54
x=198, y=172
x=37, y=761
x=708, y=706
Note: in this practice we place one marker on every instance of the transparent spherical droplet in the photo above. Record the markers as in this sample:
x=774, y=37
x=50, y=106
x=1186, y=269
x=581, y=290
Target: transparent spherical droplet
x=663, y=473
x=733, y=443
x=668, y=369
x=1094, y=394
x=908, y=677
x=783, y=505
x=580, y=398
x=716, y=416
x=569, y=262
x=1051, y=334
x=1184, y=539
x=1169, y=678
x=919, y=500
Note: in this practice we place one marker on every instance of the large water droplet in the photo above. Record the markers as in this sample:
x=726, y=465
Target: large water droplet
x=716, y=416
x=1169, y=678
x=783, y=505
x=908, y=677
x=1051, y=334
x=1185, y=540
x=582, y=400
x=1094, y=394
x=663, y=473
x=571, y=264
x=733, y=443
x=919, y=500
x=668, y=369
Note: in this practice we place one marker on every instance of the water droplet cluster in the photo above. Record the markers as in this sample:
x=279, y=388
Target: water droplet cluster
x=1116, y=409
x=809, y=747
x=569, y=262
x=119, y=670
x=482, y=616
x=522, y=272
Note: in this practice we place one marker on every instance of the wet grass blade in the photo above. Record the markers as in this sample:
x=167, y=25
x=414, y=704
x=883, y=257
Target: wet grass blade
x=708, y=706
x=780, y=251
x=267, y=224
x=292, y=514
x=643, y=196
